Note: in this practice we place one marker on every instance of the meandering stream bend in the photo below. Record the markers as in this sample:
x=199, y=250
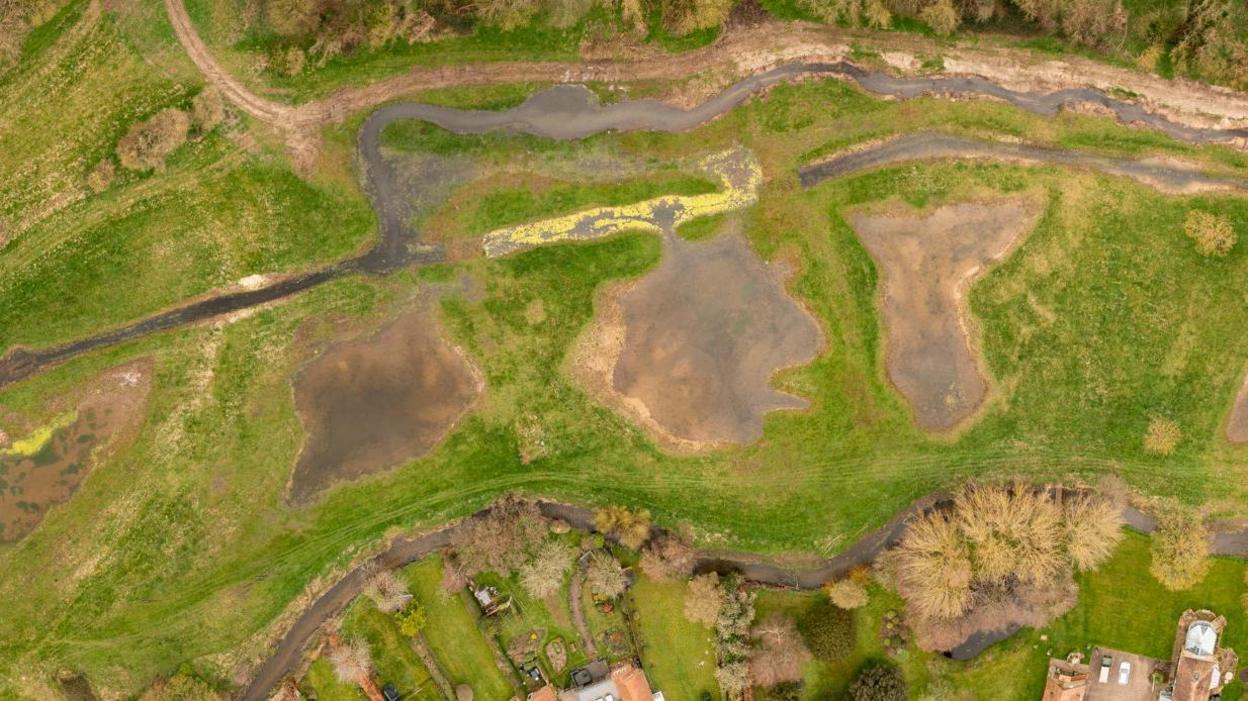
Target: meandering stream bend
x=570, y=112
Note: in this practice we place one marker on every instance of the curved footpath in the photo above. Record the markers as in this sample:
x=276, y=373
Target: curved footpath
x=406, y=550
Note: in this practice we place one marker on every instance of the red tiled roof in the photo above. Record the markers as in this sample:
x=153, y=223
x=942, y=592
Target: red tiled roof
x=546, y=693
x=632, y=684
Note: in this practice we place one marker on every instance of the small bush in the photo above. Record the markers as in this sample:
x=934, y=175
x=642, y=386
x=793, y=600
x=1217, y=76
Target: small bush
x=180, y=687
x=631, y=527
x=1180, y=548
x=1213, y=234
x=847, y=594
x=543, y=575
x=147, y=143
x=879, y=682
x=667, y=557
x=1163, y=436
x=941, y=17
x=828, y=631
x=605, y=576
x=101, y=176
x=681, y=17
x=412, y=620
x=207, y=110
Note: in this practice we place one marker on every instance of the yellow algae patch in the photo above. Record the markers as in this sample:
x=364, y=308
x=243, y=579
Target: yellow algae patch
x=40, y=437
x=738, y=172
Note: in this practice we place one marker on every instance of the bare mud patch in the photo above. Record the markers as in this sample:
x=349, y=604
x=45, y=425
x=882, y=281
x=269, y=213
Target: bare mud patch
x=45, y=467
x=1237, y=424
x=688, y=351
x=371, y=403
x=927, y=262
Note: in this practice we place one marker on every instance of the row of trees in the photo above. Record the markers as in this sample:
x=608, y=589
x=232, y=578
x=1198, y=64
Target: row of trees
x=317, y=31
x=1002, y=554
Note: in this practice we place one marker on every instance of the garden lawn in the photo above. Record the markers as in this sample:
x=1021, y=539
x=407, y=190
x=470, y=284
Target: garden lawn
x=394, y=660
x=458, y=645
x=678, y=655
x=324, y=683
x=551, y=617
x=1123, y=607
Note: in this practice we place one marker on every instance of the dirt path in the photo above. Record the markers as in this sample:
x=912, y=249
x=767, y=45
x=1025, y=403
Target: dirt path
x=577, y=605
x=775, y=51
x=1185, y=110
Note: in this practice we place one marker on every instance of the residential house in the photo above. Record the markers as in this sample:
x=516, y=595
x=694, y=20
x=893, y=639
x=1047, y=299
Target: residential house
x=1197, y=671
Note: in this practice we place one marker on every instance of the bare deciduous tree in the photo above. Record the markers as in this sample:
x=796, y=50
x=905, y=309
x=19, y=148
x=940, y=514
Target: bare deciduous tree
x=1015, y=531
x=780, y=653
x=352, y=660
x=605, y=576
x=703, y=599
x=387, y=591
x=543, y=575
x=1180, y=549
x=668, y=557
x=933, y=567
x=1093, y=528
x=502, y=539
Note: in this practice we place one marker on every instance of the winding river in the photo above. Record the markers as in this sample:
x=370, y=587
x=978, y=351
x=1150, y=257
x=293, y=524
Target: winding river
x=571, y=112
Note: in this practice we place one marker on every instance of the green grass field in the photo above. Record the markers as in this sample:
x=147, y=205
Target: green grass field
x=679, y=656
x=182, y=544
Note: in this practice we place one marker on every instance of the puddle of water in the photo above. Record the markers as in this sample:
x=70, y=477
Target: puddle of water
x=373, y=403
x=689, y=350
x=927, y=262
x=46, y=467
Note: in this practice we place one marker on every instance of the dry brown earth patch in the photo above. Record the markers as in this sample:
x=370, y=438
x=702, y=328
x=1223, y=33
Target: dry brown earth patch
x=48, y=467
x=927, y=262
x=371, y=403
x=688, y=351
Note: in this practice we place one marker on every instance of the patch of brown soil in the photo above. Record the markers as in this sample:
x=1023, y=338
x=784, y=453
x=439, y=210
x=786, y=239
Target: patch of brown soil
x=927, y=262
x=1237, y=424
x=688, y=351
x=371, y=403
x=32, y=484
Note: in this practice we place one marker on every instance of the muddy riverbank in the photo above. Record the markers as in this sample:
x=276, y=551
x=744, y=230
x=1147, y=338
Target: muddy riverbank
x=571, y=112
